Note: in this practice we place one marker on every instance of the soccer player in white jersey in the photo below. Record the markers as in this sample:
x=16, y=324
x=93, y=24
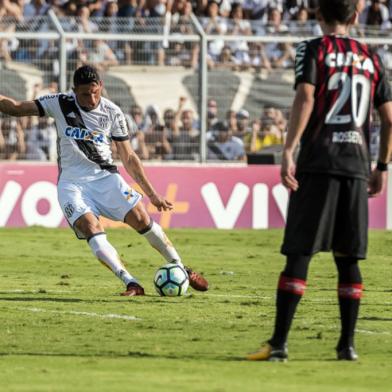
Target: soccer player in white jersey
x=89, y=184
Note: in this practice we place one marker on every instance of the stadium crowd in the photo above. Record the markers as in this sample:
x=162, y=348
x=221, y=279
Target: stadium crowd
x=175, y=133
x=172, y=136
x=218, y=17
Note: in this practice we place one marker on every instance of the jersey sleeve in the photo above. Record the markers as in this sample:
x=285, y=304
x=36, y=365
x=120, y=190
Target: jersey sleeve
x=47, y=105
x=305, y=64
x=119, y=131
x=383, y=92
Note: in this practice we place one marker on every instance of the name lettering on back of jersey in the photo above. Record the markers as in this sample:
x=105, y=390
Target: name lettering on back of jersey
x=353, y=137
x=349, y=59
x=84, y=134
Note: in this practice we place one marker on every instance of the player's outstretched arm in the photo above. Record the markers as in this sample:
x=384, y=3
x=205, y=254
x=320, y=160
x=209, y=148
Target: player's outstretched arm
x=378, y=176
x=134, y=168
x=18, y=108
x=300, y=114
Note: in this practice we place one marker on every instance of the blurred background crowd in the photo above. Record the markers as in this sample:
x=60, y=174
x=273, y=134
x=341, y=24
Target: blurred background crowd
x=170, y=133
x=217, y=17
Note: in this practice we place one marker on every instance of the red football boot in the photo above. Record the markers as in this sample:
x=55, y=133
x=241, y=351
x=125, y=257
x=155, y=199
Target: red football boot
x=196, y=281
x=133, y=289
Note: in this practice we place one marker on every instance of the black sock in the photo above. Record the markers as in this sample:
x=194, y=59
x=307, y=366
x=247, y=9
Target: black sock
x=291, y=286
x=349, y=295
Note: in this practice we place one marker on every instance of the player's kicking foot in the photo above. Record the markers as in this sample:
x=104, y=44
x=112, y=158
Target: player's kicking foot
x=196, y=281
x=346, y=354
x=269, y=353
x=133, y=289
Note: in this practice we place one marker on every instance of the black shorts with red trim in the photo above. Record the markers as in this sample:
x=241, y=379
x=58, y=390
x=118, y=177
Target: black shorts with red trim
x=327, y=212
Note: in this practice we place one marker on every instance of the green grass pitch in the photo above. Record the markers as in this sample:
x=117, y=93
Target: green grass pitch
x=64, y=327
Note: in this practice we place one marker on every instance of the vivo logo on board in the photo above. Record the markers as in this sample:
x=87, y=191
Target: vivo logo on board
x=223, y=216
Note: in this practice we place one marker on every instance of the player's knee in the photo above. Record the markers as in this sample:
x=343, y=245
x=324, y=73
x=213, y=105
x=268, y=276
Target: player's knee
x=88, y=225
x=297, y=266
x=348, y=269
x=138, y=218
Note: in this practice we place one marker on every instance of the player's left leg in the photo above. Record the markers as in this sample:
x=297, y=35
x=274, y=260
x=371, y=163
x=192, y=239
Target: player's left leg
x=349, y=294
x=139, y=219
x=350, y=245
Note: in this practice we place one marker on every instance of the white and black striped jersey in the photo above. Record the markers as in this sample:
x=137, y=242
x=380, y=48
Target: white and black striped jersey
x=84, y=137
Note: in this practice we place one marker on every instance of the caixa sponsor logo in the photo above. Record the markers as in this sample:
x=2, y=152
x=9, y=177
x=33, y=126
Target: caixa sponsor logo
x=84, y=134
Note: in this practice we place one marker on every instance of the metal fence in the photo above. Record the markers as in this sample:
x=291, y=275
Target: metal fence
x=184, y=88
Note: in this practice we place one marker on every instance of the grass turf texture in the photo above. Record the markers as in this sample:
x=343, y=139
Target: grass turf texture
x=58, y=331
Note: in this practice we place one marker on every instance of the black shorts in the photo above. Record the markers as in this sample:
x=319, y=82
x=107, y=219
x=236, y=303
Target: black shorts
x=326, y=213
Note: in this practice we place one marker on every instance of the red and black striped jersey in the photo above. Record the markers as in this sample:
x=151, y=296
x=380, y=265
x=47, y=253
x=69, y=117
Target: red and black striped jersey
x=349, y=82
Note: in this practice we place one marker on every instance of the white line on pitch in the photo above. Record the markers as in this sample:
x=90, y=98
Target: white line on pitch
x=17, y=291
x=372, y=332
x=237, y=296
x=88, y=314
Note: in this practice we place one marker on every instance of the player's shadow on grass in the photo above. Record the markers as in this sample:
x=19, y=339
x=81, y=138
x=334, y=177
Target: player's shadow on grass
x=115, y=299
x=374, y=318
x=130, y=354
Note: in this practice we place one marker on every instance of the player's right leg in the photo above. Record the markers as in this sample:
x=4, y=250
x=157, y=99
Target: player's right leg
x=291, y=287
x=139, y=219
x=349, y=294
x=103, y=250
x=81, y=214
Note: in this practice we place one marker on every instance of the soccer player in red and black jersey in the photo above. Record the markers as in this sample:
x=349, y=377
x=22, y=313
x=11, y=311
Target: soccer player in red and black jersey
x=338, y=83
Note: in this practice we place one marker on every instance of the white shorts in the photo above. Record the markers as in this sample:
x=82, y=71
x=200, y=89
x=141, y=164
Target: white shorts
x=110, y=196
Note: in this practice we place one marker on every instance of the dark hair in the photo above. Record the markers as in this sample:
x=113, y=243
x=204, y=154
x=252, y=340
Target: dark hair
x=86, y=74
x=337, y=11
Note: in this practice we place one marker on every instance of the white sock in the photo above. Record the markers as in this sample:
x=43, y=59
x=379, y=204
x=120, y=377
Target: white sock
x=109, y=257
x=158, y=240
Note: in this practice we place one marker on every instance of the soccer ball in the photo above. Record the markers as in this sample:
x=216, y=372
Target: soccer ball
x=171, y=280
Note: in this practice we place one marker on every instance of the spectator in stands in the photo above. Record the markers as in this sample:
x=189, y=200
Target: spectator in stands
x=135, y=126
x=212, y=113
x=224, y=146
x=226, y=59
x=41, y=140
x=135, y=119
x=12, y=139
x=243, y=128
x=257, y=56
x=5, y=55
x=255, y=9
x=152, y=118
x=35, y=8
x=281, y=122
x=214, y=24
x=239, y=26
x=130, y=8
x=84, y=23
x=11, y=10
x=231, y=120
x=169, y=121
x=98, y=8
x=376, y=15
x=293, y=6
x=154, y=136
x=181, y=23
x=280, y=55
x=185, y=141
x=262, y=135
x=300, y=24
x=100, y=55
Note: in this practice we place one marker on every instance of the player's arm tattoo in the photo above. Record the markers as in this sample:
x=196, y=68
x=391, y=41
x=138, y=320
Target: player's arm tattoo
x=18, y=108
x=134, y=167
